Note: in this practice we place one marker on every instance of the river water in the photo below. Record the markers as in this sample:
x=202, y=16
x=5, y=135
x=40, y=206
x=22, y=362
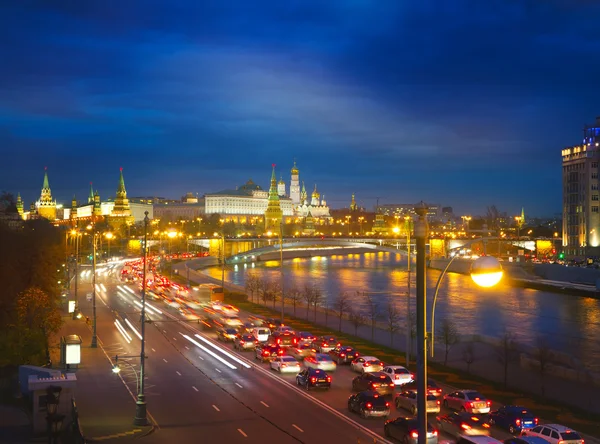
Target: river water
x=569, y=324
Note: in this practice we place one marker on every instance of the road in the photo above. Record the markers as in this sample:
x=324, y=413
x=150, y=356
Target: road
x=191, y=388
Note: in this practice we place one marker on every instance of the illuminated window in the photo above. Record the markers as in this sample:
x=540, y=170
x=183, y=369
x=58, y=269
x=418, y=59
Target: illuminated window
x=594, y=209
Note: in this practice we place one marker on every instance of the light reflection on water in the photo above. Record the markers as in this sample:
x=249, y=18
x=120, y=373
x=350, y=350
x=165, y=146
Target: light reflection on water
x=568, y=323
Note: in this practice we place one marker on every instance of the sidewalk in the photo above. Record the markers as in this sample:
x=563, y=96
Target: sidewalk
x=106, y=408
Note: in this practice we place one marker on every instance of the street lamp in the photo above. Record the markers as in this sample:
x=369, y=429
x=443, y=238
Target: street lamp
x=481, y=271
x=108, y=237
x=77, y=235
x=466, y=220
x=141, y=417
x=281, y=267
x=408, y=227
x=92, y=227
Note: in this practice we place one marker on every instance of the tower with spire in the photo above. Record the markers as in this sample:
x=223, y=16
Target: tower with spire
x=281, y=188
x=91, y=195
x=316, y=197
x=309, y=225
x=97, y=211
x=273, y=214
x=295, y=186
x=121, y=212
x=46, y=206
x=20, y=210
x=74, y=208
x=353, y=206
x=303, y=196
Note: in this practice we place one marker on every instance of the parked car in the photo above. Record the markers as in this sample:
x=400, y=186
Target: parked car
x=408, y=401
x=462, y=423
x=470, y=401
x=364, y=364
x=368, y=404
x=377, y=381
x=285, y=364
x=226, y=334
x=513, y=418
x=245, y=342
x=406, y=430
x=266, y=352
x=400, y=375
x=554, y=434
x=313, y=378
x=320, y=361
x=325, y=344
x=300, y=352
x=343, y=354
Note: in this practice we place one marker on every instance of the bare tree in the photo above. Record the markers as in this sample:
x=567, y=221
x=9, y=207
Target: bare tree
x=357, y=319
x=249, y=286
x=294, y=295
x=448, y=333
x=468, y=355
x=265, y=291
x=506, y=353
x=392, y=318
x=544, y=356
x=275, y=290
x=307, y=294
x=371, y=311
x=317, y=299
x=341, y=305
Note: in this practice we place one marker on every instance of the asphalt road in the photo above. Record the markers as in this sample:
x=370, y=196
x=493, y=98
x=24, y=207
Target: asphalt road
x=192, y=394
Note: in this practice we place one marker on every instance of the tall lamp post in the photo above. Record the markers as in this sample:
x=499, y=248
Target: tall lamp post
x=408, y=227
x=94, y=336
x=281, y=267
x=108, y=237
x=485, y=271
x=77, y=235
x=223, y=261
x=141, y=417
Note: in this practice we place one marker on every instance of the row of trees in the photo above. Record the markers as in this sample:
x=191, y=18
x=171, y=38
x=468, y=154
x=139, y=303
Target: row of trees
x=31, y=266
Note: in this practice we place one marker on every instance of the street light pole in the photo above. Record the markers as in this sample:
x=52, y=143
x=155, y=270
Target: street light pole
x=281, y=267
x=408, y=323
x=141, y=417
x=94, y=336
x=421, y=238
x=76, y=275
x=223, y=261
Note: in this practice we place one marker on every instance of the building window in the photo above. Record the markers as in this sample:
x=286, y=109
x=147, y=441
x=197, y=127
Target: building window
x=594, y=164
x=594, y=197
x=595, y=175
x=594, y=209
x=594, y=186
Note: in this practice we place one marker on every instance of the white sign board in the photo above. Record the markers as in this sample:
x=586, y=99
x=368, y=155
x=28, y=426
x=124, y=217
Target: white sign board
x=89, y=297
x=71, y=306
x=73, y=354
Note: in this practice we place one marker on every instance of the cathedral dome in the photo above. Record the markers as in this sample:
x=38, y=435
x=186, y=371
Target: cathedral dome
x=294, y=169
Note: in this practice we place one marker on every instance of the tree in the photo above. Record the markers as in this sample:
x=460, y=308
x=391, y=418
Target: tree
x=506, y=353
x=265, y=291
x=8, y=203
x=317, y=299
x=341, y=305
x=275, y=292
x=468, y=355
x=294, y=295
x=392, y=317
x=544, y=356
x=251, y=284
x=308, y=297
x=357, y=319
x=372, y=311
x=448, y=333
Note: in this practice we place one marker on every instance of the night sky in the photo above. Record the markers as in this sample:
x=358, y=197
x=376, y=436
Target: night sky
x=461, y=103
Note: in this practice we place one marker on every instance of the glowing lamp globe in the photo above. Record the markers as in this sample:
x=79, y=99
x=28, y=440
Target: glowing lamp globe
x=486, y=271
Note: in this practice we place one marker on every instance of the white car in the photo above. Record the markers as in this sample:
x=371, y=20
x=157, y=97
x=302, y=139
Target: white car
x=467, y=400
x=408, y=401
x=400, y=375
x=261, y=333
x=366, y=364
x=284, y=328
x=554, y=434
x=285, y=364
x=320, y=361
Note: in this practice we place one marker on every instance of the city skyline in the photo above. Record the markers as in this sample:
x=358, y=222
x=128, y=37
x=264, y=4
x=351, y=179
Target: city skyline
x=398, y=102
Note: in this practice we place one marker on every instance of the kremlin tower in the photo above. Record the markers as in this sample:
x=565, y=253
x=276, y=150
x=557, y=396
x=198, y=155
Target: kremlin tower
x=46, y=207
x=273, y=214
x=281, y=188
x=295, y=186
x=121, y=212
x=20, y=206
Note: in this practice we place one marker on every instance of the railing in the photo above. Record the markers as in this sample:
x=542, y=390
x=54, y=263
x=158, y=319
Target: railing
x=78, y=437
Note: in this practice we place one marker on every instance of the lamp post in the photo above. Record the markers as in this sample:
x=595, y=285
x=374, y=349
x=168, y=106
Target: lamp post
x=77, y=235
x=408, y=226
x=94, y=336
x=108, y=237
x=141, y=417
x=485, y=271
x=281, y=267
x=223, y=261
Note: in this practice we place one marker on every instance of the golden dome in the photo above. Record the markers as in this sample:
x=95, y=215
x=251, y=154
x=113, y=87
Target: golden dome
x=294, y=168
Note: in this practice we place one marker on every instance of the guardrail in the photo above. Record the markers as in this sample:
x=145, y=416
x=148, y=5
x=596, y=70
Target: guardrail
x=78, y=436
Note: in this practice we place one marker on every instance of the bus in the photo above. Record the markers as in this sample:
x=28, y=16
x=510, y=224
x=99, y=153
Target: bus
x=211, y=292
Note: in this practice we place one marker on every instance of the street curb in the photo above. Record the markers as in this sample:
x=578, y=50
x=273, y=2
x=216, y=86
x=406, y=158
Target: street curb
x=127, y=434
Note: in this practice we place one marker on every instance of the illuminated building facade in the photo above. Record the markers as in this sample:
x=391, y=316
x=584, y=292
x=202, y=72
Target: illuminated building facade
x=46, y=206
x=581, y=201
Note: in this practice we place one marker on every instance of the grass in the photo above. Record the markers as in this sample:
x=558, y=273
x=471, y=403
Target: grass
x=579, y=419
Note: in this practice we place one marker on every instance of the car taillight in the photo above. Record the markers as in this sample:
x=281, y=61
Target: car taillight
x=435, y=433
x=284, y=365
x=560, y=442
x=465, y=426
x=324, y=344
x=328, y=378
x=438, y=402
x=295, y=341
x=469, y=405
x=369, y=405
x=381, y=364
x=265, y=353
x=387, y=404
x=313, y=379
x=374, y=385
x=256, y=341
x=392, y=384
x=535, y=420
x=486, y=426
x=489, y=403
x=279, y=340
x=342, y=355
x=242, y=342
x=518, y=422
x=414, y=435
x=367, y=364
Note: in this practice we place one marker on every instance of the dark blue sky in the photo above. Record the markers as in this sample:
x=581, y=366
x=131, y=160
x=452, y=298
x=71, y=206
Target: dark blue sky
x=461, y=103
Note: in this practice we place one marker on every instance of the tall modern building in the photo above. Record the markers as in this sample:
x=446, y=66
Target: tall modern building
x=581, y=202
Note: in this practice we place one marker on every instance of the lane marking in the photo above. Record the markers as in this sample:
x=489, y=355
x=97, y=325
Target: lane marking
x=218, y=370
x=242, y=432
x=177, y=372
x=298, y=428
x=165, y=360
x=165, y=331
x=264, y=403
x=194, y=388
x=174, y=338
x=201, y=358
x=216, y=408
x=214, y=355
x=225, y=352
x=187, y=347
x=239, y=385
x=153, y=350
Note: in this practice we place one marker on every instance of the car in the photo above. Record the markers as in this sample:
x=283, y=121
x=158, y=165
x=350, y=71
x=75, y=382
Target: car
x=226, y=334
x=368, y=404
x=432, y=387
x=400, y=375
x=525, y=440
x=231, y=321
x=284, y=339
x=247, y=327
x=257, y=320
x=189, y=314
x=266, y=352
x=377, y=381
x=470, y=401
x=313, y=378
x=285, y=364
x=300, y=352
x=324, y=344
x=305, y=337
x=477, y=439
x=406, y=430
x=408, y=400
x=364, y=364
x=513, y=418
x=273, y=323
x=343, y=354
x=462, y=423
x=261, y=334
x=554, y=434
x=245, y=342
x=283, y=328
x=320, y=361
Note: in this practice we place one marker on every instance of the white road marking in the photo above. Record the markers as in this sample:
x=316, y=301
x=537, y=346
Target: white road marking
x=187, y=347
x=174, y=338
x=296, y=427
x=216, y=408
x=239, y=385
x=201, y=358
x=194, y=388
x=153, y=350
x=165, y=331
x=264, y=403
x=177, y=372
x=218, y=370
x=242, y=432
x=165, y=360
